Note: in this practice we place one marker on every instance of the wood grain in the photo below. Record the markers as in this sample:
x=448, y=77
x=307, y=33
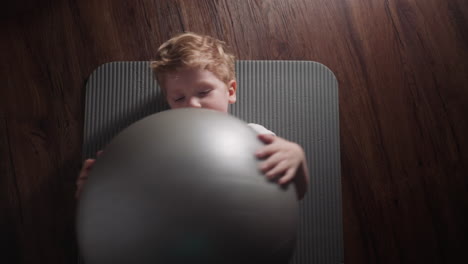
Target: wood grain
x=402, y=66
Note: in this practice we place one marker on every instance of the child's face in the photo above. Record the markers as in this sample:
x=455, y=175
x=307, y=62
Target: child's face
x=199, y=89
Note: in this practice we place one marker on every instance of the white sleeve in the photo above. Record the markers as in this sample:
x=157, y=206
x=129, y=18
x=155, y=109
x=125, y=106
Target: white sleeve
x=260, y=129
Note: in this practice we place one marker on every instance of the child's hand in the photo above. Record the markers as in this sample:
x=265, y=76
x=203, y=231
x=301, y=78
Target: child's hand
x=83, y=176
x=285, y=161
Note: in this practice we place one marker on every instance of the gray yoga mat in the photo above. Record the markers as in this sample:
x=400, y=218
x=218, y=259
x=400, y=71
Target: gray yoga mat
x=298, y=100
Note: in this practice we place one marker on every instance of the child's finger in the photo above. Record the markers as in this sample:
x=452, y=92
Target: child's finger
x=83, y=175
x=79, y=190
x=266, y=151
x=277, y=170
x=99, y=153
x=80, y=183
x=87, y=164
x=79, y=186
x=266, y=138
x=288, y=176
x=270, y=163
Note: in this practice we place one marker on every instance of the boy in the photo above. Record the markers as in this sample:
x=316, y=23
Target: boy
x=198, y=72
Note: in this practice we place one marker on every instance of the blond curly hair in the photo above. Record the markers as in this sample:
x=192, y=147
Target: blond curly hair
x=194, y=51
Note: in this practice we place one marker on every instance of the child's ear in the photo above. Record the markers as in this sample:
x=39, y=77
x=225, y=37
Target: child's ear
x=232, y=88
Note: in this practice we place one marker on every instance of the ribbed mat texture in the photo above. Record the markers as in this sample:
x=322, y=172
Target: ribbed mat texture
x=298, y=100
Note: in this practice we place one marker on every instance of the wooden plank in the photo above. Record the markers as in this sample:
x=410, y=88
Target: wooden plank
x=11, y=221
x=43, y=180
x=402, y=68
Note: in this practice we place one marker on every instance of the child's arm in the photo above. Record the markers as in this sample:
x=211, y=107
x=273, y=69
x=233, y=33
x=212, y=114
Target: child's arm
x=285, y=161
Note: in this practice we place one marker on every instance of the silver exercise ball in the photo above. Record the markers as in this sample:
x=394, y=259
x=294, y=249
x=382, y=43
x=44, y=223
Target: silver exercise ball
x=183, y=186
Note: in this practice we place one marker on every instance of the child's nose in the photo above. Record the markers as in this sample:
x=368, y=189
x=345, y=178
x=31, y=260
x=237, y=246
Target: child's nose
x=194, y=102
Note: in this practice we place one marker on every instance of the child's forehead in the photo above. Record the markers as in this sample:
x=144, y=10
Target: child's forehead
x=176, y=75
x=183, y=80
x=191, y=76
x=184, y=73
x=182, y=77
x=179, y=76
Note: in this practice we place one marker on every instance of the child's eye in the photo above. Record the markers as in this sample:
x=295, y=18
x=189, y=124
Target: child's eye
x=205, y=92
x=179, y=99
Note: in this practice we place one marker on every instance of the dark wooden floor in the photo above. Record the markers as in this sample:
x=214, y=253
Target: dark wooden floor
x=402, y=67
